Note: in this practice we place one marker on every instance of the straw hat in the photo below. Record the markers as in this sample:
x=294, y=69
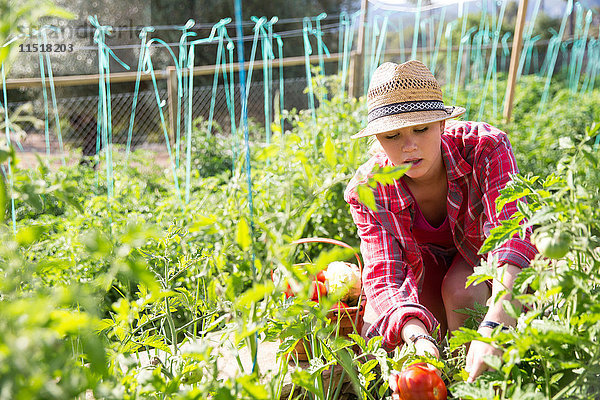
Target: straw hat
x=403, y=95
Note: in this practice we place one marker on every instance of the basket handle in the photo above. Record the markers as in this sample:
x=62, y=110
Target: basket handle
x=330, y=241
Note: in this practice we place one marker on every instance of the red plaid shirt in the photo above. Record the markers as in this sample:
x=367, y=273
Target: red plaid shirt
x=479, y=161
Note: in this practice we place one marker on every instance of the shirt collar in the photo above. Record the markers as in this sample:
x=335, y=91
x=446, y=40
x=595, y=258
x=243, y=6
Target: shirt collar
x=456, y=166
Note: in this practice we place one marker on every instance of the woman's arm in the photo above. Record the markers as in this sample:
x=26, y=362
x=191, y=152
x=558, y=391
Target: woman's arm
x=475, y=357
x=388, y=281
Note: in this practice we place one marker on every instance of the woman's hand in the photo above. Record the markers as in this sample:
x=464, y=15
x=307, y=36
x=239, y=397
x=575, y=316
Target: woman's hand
x=477, y=350
x=425, y=347
x=394, y=385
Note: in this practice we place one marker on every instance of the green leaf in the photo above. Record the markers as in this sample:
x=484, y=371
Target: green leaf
x=387, y=175
x=306, y=381
x=374, y=344
x=329, y=152
x=481, y=273
x=255, y=294
x=511, y=310
x=94, y=352
x=242, y=237
x=511, y=192
x=254, y=389
x=368, y=366
x=500, y=235
x=359, y=340
x=366, y=196
x=157, y=342
x=29, y=234
x=267, y=152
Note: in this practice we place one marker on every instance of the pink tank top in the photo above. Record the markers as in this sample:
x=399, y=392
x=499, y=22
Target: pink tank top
x=424, y=233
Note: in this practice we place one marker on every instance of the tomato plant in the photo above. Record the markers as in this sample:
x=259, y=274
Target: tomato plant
x=553, y=246
x=317, y=290
x=421, y=382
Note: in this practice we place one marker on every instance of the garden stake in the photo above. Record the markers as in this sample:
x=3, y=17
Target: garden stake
x=181, y=94
x=366, y=41
x=52, y=93
x=402, y=42
x=492, y=61
x=583, y=43
x=448, y=36
x=438, y=40
x=215, y=76
x=45, y=97
x=143, y=34
x=306, y=28
x=104, y=100
x=281, y=85
x=552, y=63
x=149, y=67
x=413, y=54
x=381, y=44
x=343, y=43
x=462, y=13
x=527, y=39
x=244, y=123
x=576, y=43
x=423, y=30
x=343, y=24
x=369, y=67
x=7, y=132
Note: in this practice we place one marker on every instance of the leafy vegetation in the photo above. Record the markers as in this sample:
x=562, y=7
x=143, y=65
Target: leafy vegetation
x=140, y=294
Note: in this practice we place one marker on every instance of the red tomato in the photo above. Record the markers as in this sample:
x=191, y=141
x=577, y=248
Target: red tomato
x=288, y=291
x=321, y=276
x=340, y=305
x=420, y=382
x=317, y=290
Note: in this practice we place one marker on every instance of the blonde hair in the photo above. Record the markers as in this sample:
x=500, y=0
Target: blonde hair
x=374, y=146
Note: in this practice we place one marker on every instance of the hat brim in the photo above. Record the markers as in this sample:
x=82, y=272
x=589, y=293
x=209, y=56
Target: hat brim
x=394, y=122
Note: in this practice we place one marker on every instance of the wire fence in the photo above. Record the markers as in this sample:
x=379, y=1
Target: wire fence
x=79, y=128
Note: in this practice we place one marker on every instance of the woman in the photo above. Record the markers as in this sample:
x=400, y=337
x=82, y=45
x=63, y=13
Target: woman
x=422, y=242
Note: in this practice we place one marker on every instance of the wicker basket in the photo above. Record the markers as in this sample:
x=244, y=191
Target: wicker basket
x=349, y=317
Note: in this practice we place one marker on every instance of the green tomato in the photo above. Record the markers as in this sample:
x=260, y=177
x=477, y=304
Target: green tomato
x=556, y=246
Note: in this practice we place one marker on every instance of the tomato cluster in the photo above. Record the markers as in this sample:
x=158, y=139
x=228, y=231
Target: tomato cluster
x=317, y=291
x=421, y=382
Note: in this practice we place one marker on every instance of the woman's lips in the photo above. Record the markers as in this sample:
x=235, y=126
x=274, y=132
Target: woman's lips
x=414, y=162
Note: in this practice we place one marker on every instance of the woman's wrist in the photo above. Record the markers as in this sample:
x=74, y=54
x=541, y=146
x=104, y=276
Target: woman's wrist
x=413, y=327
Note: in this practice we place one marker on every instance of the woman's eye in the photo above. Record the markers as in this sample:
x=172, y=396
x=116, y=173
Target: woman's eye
x=392, y=136
x=421, y=130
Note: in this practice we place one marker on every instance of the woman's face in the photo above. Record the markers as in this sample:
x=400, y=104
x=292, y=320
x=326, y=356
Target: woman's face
x=419, y=146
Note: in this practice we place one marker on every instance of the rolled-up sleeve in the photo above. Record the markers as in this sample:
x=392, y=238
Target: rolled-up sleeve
x=388, y=281
x=495, y=170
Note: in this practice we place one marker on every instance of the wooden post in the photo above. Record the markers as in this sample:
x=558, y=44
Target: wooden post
x=357, y=59
x=172, y=99
x=514, y=60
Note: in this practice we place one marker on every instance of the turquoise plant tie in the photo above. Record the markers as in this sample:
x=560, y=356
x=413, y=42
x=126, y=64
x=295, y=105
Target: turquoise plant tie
x=492, y=62
x=306, y=29
x=162, y=103
x=417, y=24
x=438, y=41
x=143, y=34
x=463, y=11
x=104, y=101
x=8, y=142
x=552, y=61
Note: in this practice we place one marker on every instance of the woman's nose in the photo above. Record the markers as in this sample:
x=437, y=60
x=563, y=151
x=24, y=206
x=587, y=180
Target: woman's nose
x=409, y=145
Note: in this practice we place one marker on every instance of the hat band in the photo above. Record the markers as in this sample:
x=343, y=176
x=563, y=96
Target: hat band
x=404, y=107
